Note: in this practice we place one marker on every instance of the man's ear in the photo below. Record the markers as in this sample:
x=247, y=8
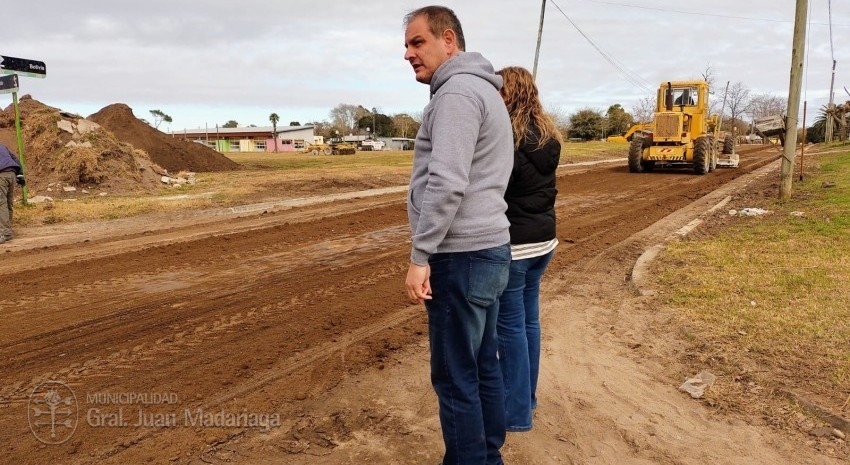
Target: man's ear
x=450, y=39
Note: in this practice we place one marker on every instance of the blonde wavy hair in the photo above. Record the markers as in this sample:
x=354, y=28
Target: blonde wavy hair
x=524, y=107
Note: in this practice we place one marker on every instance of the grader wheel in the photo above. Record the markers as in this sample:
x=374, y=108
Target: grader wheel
x=729, y=144
x=636, y=155
x=702, y=155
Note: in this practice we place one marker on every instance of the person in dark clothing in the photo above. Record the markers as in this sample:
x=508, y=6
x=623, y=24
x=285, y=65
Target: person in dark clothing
x=10, y=173
x=530, y=196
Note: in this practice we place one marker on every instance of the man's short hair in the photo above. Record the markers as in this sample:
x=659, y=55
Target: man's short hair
x=439, y=19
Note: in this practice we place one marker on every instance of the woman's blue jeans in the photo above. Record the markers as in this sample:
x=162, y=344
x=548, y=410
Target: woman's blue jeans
x=519, y=339
x=465, y=370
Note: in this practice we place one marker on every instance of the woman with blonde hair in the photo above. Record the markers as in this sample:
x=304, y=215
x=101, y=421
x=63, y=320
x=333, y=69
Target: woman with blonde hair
x=530, y=197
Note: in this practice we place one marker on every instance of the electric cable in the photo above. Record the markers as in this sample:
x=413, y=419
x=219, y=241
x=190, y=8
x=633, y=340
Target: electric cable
x=630, y=76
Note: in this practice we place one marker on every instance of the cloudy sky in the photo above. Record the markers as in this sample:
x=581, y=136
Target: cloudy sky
x=208, y=62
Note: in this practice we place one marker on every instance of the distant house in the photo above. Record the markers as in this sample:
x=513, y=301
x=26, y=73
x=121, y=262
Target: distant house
x=259, y=139
x=399, y=143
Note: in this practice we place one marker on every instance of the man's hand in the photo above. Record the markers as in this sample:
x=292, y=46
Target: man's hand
x=21, y=180
x=418, y=283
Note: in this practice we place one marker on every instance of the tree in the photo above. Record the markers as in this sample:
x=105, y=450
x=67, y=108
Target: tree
x=644, y=110
x=561, y=119
x=274, y=118
x=617, y=121
x=323, y=129
x=586, y=124
x=404, y=125
x=230, y=124
x=737, y=101
x=379, y=125
x=816, y=133
x=762, y=105
x=159, y=117
x=345, y=116
x=294, y=123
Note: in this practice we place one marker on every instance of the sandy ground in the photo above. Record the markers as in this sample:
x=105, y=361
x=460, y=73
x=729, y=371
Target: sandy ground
x=295, y=314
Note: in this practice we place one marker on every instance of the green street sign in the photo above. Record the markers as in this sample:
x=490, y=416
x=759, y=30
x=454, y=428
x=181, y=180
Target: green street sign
x=8, y=84
x=31, y=68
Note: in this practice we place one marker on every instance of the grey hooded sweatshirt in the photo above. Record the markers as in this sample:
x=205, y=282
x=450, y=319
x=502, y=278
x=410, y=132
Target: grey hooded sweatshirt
x=462, y=162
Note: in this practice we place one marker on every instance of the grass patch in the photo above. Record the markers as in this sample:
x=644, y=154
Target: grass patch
x=770, y=294
x=575, y=152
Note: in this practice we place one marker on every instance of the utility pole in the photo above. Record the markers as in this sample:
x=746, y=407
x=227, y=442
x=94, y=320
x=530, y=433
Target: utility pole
x=539, y=36
x=797, y=51
x=830, y=125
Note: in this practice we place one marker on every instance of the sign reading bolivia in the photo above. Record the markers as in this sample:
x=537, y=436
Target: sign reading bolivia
x=8, y=84
x=31, y=68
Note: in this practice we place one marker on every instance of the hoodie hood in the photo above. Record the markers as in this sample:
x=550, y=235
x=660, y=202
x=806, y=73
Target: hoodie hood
x=465, y=63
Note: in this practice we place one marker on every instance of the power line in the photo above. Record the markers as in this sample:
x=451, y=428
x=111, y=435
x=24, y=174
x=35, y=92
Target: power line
x=630, y=76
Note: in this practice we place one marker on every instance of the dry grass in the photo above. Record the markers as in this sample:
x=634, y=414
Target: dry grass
x=267, y=176
x=766, y=298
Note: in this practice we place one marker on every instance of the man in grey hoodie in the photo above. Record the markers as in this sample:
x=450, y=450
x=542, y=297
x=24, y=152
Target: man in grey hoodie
x=460, y=256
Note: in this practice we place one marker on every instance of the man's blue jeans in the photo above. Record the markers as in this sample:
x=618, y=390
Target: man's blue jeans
x=519, y=339
x=465, y=370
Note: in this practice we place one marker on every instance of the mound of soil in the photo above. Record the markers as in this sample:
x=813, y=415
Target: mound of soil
x=65, y=149
x=170, y=153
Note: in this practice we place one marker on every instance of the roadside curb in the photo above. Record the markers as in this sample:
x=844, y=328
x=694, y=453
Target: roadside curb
x=638, y=281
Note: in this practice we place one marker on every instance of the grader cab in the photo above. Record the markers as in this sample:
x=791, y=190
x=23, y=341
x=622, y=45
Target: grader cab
x=682, y=133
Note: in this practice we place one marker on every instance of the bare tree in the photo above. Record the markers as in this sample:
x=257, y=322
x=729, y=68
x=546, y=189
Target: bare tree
x=767, y=105
x=714, y=104
x=561, y=119
x=737, y=101
x=405, y=125
x=643, y=110
x=708, y=75
x=345, y=116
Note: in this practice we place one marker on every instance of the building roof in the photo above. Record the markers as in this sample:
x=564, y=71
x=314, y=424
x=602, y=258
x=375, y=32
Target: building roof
x=247, y=130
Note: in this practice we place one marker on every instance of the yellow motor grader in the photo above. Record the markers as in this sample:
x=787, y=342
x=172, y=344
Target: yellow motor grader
x=682, y=133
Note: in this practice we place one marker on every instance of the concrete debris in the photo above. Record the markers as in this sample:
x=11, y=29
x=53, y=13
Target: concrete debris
x=82, y=126
x=179, y=180
x=697, y=385
x=749, y=212
x=40, y=199
x=827, y=431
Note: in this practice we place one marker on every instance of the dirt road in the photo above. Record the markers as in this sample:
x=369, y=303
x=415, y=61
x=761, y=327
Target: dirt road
x=292, y=326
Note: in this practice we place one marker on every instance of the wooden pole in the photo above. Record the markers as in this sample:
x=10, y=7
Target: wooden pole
x=539, y=36
x=793, y=111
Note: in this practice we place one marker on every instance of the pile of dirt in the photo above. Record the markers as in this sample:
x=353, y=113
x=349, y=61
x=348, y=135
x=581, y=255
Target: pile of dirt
x=166, y=151
x=64, y=150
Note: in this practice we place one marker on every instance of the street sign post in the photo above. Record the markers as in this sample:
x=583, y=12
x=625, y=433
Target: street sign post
x=12, y=66
x=22, y=66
